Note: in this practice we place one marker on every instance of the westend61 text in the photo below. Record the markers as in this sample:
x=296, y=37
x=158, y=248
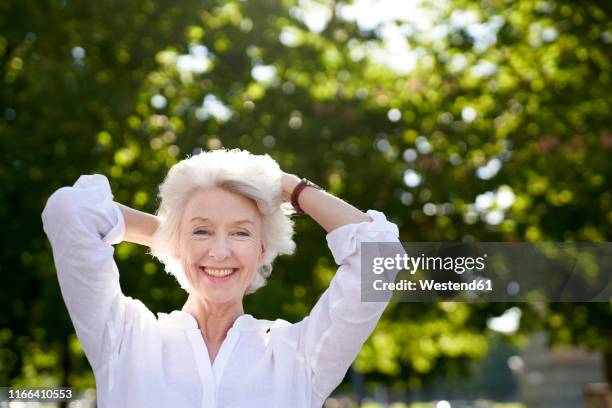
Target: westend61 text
x=479, y=285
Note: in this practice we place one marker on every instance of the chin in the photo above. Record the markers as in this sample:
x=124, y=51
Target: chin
x=215, y=294
x=230, y=289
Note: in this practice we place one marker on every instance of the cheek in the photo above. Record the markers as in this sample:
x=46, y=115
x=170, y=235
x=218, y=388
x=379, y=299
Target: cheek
x=248, y=252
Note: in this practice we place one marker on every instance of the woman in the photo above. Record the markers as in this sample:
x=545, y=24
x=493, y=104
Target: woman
x=223, y=218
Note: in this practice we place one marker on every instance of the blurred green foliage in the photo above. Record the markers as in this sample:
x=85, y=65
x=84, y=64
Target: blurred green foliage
x=129, y=88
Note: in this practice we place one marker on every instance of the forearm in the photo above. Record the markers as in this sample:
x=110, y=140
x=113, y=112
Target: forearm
x=328, y=211
x=139, y=226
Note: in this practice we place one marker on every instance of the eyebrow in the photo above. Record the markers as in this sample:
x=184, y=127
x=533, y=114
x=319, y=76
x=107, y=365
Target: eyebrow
x=246, y=221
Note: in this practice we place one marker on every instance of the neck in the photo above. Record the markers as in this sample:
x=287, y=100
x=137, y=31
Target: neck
x=214, y=319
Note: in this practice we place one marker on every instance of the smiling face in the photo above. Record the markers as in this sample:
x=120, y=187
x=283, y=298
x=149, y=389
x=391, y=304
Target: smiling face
x=220, y=244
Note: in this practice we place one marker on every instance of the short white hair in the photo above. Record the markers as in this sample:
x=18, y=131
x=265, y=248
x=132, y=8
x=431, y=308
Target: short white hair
x=257, y=177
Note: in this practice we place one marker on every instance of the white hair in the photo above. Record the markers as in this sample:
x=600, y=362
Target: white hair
x=257, y=177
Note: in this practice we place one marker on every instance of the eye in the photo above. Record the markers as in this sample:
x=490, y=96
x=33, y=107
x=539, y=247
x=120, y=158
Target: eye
x=243, y=233
x=198, y=232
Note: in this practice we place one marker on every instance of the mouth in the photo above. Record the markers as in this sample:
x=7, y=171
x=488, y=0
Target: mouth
x=218, y=275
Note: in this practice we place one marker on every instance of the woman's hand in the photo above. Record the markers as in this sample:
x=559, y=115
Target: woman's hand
x=289, y=181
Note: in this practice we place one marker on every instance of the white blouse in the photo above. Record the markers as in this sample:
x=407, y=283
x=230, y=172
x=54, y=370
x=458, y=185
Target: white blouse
x=142, y=361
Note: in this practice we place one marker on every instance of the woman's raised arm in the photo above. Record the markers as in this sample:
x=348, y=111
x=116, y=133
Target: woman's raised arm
x=332, y=335
x=83, y=223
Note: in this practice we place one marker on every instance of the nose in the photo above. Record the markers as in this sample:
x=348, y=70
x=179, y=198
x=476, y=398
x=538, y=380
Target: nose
x=220, y=248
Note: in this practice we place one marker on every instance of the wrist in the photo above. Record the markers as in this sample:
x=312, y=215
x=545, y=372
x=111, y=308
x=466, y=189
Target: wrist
x=295, y=195
x=289, y=182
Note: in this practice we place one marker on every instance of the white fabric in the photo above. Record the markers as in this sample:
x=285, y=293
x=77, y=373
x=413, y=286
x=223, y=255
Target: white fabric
x=143, y=361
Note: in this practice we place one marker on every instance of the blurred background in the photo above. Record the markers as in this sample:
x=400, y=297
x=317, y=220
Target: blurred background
x=461, y=120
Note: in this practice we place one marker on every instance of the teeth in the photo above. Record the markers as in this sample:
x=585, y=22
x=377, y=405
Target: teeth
x=218, y=272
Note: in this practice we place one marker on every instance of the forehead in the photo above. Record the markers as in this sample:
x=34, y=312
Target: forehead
x=220, y=205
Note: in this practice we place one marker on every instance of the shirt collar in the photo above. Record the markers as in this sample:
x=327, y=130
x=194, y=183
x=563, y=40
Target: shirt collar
x=179, y=319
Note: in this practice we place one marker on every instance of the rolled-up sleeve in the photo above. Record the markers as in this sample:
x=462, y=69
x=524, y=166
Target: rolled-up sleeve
x=82, y=223
x=340, y=322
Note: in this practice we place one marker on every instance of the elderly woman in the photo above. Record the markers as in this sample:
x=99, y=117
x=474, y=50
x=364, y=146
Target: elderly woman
x=224, y=216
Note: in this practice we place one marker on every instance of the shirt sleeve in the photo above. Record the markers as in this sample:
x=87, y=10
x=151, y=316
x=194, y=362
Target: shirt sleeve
x=82, y=223
x=339, y=323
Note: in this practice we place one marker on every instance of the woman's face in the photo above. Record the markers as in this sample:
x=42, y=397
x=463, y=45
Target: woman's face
x=220, y=245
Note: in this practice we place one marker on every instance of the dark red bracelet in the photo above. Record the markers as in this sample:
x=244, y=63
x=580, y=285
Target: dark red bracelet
x=298, y=190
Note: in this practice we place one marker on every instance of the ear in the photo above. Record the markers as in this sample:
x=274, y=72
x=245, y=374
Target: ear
x=261, y=254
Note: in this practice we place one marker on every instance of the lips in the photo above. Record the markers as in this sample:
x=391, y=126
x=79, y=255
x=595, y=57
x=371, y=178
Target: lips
x=218, y=275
